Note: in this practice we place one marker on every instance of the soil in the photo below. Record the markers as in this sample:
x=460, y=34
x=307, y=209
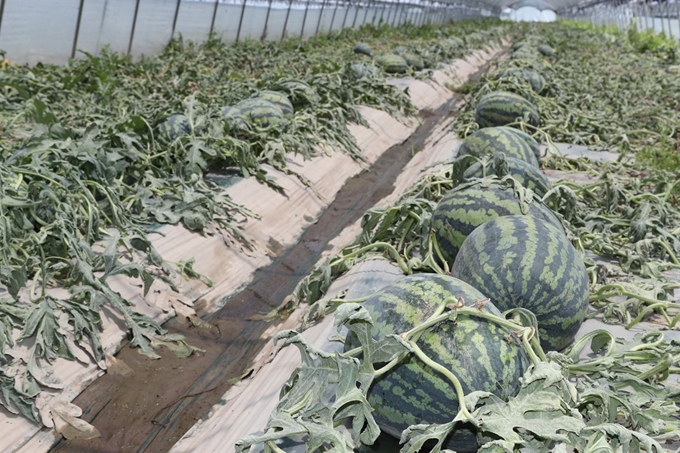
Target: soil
x=152, y=407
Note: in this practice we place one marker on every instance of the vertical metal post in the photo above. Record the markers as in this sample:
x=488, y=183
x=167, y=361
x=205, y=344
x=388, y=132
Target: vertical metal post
x=174, y=20
x=318, y=23
x=75, y=36
x=663, y=27
x=266, y=22
x=366, y=13
x=389, y=15
x=646, y=13
x=344, y=19
x=375, y=12
x=214, y=16
x=304, y=20
x=285, y=22
x=677, y=16
x=335, y=11
x=668, y=18
x=2, y=12
x=134, y=25
x=382, y=13
x=240, y=21
x=356, y=15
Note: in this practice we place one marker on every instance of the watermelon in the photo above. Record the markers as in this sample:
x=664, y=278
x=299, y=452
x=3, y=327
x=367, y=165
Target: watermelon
x=536, y=80
x=299, y=93
x=400, y=50
x=490, y=140
x=170, y=128
x=363, y=48
x=546, y=50
x=364, y=70
x=414, y=61
x=500, y=108
x=501, y=165
x=392, y=64
x=475, y=350
x=524, y=261
x=234, y=119
x=469, y=205
x=260, y=112
x=278, y=99
x=531, y=141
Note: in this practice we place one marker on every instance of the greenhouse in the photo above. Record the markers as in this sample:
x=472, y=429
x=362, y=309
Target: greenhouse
x=340, y=226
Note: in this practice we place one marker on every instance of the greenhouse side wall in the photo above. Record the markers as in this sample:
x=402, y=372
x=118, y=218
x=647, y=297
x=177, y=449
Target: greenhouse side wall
x=52, y=31
x=659, y=18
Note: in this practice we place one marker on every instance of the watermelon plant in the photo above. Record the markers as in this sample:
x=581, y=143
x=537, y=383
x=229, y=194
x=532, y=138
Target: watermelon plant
x=524, y=261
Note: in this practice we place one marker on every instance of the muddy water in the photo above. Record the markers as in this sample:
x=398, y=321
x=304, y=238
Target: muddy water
x=153, y=405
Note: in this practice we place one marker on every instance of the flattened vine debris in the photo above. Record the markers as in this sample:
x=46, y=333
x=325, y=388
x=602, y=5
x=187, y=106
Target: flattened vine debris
x=85, y=184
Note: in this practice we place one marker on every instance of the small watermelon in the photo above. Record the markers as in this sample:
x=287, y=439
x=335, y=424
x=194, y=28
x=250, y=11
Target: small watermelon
x=363, y=48
x=536, y=80
x=490, y=140
x=400, y=50
x=170, y=128
x=414, y=61
x=261, y=113
x=500, y=108
x=546, y=50
x=299, y=93
x=475, y=350
x=471, y=204
x=531, y=141
x=279, y=99
x=364, y=70
x=392, y=64
x=524, y=261
x=501, y=165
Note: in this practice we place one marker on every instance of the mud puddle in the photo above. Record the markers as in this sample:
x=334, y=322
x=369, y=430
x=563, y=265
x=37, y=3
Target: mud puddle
x=150, y=408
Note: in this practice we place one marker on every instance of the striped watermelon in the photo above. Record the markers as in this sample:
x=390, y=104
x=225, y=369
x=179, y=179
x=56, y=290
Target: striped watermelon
x=501, y=165
x=400, y=50
x=392, y=64
x=364, y=70
x=363, y=48
x=523, y=261
x=546, y=50
x=260, y=113
x=489, y=141
x=471, y=204
x=279, y=99
x=500, y=108
x=170, y=128
x=234, y=119
x=414, y=61
x=531, y=141
x=475, y=350
x=536, y=80
x=299, y=93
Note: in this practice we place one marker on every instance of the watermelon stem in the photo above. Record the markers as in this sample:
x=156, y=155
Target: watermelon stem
x=377, y=245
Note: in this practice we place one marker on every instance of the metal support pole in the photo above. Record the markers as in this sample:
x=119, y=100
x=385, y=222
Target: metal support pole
x=389, y=15
x=677, y=16
x=646, y=16
x=375, y=12
x=382, y=13
x=335, y=11
x=214, y=16
x=75, y=36
x=240, y=21
x=356, y=15
x=174, y=19
x=134, y=25
x=285, y=22
x=663, y=27
x=366, y=13
x=344, y=19
x=266, y=22
x=668, y=18
x=304, y=20
x=318, y=23
x=2, y=12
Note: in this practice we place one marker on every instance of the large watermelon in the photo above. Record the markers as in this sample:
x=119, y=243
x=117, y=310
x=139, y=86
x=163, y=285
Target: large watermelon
x=260, y=112
x=500, y=108
x=475, y=350
x=536, y=80
x=531, y=141
x=363, y=48
x=523, y=261
x=365, y=70
x=170, y=128
x=414, y=61
x=279, y=99
x=392, y=64
x=501, y=165
x=546, y=50
x=235, y=121
x=491, y=140
x=471, y=204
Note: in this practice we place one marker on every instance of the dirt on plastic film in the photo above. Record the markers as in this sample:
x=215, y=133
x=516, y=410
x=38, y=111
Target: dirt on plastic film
x=147, y=405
